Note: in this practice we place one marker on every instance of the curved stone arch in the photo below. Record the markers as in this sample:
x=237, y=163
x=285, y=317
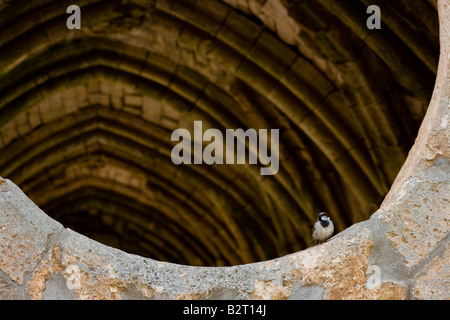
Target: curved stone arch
x=407, y=238
x=317, y=122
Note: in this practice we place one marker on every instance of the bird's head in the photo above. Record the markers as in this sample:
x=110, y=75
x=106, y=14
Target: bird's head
x=323, y=216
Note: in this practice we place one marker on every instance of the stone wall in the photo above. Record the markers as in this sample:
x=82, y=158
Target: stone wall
x=401, y=252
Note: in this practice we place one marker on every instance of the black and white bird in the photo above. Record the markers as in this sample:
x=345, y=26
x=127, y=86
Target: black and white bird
x=323, y=228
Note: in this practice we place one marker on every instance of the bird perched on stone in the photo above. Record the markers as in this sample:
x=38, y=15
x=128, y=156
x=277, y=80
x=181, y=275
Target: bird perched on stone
x=323, y=228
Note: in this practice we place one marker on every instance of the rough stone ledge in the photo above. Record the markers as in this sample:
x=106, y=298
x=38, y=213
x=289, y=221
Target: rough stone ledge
x=404, y=246
x=43, y=260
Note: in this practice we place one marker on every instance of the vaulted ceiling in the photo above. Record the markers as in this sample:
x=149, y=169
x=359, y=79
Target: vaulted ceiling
x=86, y=116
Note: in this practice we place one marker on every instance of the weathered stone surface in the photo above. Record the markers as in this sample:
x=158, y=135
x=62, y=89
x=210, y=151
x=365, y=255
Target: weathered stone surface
x=434, y=281
x=25, y=232
x=73, y=266
x=416, y=225
x=57, y=263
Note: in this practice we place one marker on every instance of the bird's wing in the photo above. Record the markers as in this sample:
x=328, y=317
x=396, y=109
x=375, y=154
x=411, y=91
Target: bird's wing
x=312, y=233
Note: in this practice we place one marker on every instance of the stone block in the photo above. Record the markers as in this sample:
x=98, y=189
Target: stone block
x=133, y=100
x=151, y=110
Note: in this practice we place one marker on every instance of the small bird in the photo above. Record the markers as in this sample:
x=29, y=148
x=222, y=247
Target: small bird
x=323, y=228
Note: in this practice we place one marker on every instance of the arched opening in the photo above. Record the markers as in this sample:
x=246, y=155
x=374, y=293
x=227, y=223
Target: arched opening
x=86, y=117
